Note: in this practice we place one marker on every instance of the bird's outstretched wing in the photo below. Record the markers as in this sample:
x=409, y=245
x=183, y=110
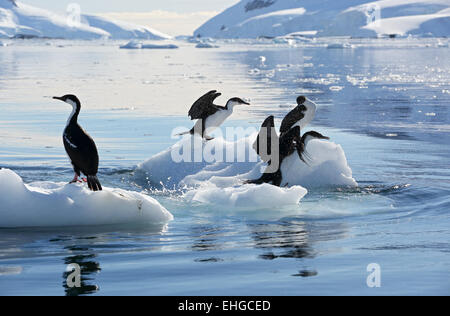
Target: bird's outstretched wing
x=292, y=118
x=289, y=141
x=266, y=137
x=301, y=146
x=204, y=106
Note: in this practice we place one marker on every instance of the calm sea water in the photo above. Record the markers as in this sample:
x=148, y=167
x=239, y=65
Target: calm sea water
x=385, y=101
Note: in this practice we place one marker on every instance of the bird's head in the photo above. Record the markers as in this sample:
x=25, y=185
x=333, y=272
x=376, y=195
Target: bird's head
x=69, y=99
x=301, y=99
x=313, y=135
x=301, y=103
x=236, y=101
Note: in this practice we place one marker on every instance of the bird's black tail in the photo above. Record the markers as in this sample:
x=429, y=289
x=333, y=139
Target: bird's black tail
x=94, y=184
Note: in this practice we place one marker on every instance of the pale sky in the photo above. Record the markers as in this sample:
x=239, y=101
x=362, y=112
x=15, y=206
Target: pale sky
x=173, y=17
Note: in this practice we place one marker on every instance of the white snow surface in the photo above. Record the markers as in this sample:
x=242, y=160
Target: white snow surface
x=48, y=204
x=18, y=19
x=216, y=180
x=358, y=18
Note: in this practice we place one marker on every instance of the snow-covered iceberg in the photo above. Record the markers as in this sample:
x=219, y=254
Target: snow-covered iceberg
x=21, y=20
x=48, y=204
x=221, y=181
x=135, y=44
x=327, y=166
x=359, y=18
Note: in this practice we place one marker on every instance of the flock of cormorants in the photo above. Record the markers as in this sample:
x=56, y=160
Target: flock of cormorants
x=84, y=157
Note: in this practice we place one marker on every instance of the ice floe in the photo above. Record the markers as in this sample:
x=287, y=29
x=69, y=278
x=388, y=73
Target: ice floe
x=219, y=175
x=135, y=44
x=49, y=204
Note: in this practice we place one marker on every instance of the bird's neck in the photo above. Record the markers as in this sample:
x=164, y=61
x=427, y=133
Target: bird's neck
x=230, y=106
x=73, y=118
x=310, y=106
x=306, y=139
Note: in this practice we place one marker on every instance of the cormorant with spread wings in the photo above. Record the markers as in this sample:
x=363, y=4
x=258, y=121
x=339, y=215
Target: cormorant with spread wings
x=210, y=116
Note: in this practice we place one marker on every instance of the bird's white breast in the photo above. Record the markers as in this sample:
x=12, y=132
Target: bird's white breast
x=309, y=115
x=74, y=110
x=217, y=119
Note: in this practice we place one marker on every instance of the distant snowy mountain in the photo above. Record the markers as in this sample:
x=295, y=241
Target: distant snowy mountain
x=20, y=20
x=359, y=18
x=123, y=30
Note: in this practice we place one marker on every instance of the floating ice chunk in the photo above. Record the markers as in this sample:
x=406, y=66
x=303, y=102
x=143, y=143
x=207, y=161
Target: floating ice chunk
x=328, y=167
x=159, y=46
x=206, y=45
x=263, y=196
x=49, y=204
x=254, y=71
x=339, y=45
x=283, y=40
x=336, y=88
x=165, y=169
x=133, y=44
x=191, y=39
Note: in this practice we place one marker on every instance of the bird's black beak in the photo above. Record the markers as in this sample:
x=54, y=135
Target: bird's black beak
x=246, y=103
x=58, y=98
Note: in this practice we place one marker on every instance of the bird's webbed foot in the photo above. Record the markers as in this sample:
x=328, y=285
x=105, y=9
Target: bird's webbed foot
x=75, y=179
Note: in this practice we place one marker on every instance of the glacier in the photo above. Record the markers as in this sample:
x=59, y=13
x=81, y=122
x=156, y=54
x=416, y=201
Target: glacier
x=354, y=18
x=20, y=20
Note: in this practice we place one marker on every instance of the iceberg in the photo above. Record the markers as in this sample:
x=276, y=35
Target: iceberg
x=210, y=181
x=48, y=204
x=134, y=44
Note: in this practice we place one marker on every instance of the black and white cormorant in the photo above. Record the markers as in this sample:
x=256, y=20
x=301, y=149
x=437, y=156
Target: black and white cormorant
x=267, y=135
x=290, y=142
x=80, y=146
x=300, y=116
x=209, y=115
x=287, y=145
